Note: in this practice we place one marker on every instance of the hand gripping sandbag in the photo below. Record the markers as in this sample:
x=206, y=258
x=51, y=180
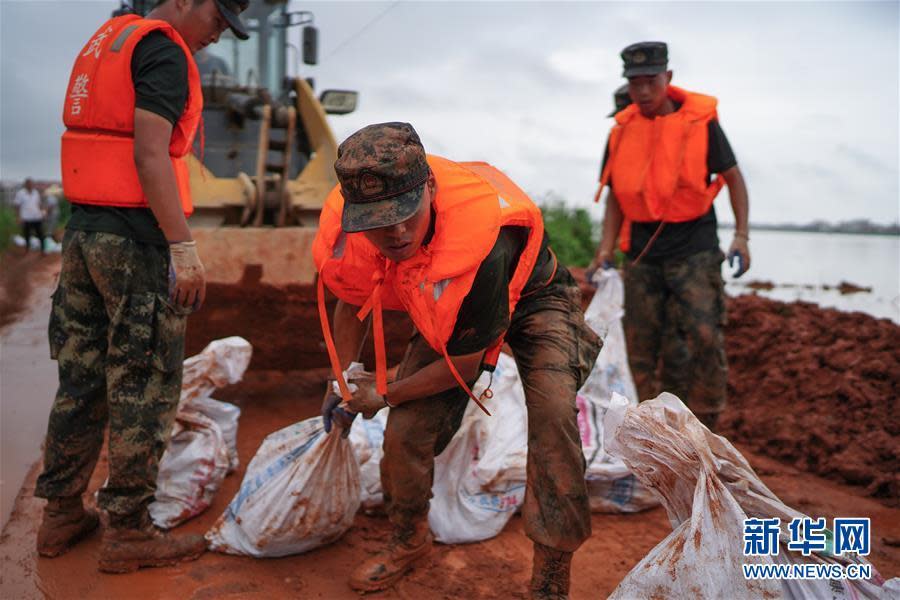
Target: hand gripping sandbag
x=479, y=479
x=300, y=491
x=202, y=448
x=708, y=489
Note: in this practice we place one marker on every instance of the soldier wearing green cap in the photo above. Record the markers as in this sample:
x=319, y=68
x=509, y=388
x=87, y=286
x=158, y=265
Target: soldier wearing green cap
x=666, y=160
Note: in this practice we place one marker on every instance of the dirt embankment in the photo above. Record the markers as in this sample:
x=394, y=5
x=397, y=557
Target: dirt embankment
x=282, y=323
x=19, y=273
x=816, y=388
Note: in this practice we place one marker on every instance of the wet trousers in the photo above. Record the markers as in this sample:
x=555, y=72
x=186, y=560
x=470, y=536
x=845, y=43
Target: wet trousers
x=119, y=346
x=675, y=313
x=554, y=350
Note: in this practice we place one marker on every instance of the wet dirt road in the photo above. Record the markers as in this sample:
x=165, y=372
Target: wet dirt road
x=27, y=375
x=497, y=568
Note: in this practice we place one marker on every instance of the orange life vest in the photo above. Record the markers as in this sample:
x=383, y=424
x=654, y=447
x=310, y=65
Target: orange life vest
x=473, y=201
x=659, y=164
x=98, y=144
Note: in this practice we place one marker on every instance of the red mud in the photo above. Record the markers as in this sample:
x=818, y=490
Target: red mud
x=282, y=323
x=818, y=389
x=497, y=568
x=805, y=384
x=19, y=272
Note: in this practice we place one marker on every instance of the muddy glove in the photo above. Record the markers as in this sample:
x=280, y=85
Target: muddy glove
x=365, y=399
x=189, y=290
x=334, y=413
x=739, y=250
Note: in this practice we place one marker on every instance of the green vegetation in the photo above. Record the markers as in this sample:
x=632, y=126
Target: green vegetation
x=8, y=227
x=573, y=236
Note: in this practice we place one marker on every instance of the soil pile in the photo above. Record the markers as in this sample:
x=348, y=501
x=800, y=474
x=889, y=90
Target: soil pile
x=816, y=388
x=282, y=323
x=19, y=272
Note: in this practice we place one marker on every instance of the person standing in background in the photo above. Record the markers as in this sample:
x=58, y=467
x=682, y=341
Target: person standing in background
x=30, y=213
x=660, y=162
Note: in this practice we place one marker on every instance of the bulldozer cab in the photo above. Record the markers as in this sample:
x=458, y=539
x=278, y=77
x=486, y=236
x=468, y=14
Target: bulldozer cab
x=265, y=152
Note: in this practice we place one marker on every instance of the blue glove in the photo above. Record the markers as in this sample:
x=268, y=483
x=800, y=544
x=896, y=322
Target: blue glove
x=740, y=258
x=332, y=412
x=589, y=274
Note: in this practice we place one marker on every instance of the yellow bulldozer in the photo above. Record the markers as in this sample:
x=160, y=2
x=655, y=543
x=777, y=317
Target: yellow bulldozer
x=261, y=169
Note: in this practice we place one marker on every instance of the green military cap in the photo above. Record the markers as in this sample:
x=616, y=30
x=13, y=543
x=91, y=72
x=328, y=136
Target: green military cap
x=645, y=58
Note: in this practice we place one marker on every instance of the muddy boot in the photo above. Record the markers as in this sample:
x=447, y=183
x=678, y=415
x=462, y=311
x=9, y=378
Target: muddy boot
x=126, y=550
x=550, y=573
x=407, y=547
x=65, y=523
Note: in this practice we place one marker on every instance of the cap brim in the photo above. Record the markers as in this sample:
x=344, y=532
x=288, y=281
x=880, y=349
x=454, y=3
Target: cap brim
x=366, y=216
x=643, y=71
x=234, y=21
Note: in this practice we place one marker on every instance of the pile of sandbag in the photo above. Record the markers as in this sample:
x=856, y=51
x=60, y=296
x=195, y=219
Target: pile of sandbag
x=203, y=447
x=708, y=490
x=303, y=487
x=479, y=479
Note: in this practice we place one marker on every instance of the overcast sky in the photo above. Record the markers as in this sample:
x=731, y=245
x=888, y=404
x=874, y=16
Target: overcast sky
x=808, y=91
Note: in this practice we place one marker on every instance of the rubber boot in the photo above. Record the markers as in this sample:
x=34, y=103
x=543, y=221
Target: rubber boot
x=125, y=550
x=65, y=523
x=407, y=547
x=550, y=573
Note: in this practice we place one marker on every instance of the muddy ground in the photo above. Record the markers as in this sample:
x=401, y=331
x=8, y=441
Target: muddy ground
x=497, y=568
x=778, y=354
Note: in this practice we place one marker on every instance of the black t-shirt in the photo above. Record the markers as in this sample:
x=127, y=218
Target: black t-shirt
x=159, y=74
x=484, y=313
x=677, y=240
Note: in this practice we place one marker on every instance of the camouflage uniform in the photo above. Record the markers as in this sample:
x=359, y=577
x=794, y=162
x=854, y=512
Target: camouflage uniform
x=555, y=351
x=119, y=346
x=691, y=291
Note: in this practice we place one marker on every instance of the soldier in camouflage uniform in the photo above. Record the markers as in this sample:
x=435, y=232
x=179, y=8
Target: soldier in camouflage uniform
x=554, y=349
x=674, y=292
x=130, y=275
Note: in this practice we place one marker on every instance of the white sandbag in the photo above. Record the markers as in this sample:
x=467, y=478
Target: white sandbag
x=300, y=491
x=479, y=479
x=611, y=487
x=366, y=439
x=191, y=470
x=202, y=448
x=223, y=362
x=708, y=489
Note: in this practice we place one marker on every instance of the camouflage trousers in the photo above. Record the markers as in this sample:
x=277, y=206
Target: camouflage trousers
x=119, y=346
x=674, y=318
x=554, y=351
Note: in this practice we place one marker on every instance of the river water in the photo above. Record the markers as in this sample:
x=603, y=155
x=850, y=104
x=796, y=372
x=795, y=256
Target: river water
x=803, y=265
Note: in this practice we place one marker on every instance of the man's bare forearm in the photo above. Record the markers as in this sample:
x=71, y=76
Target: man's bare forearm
x=434, y=378
x=156, y=174
x=740, y=202
x=349, y=333
x=612, y=223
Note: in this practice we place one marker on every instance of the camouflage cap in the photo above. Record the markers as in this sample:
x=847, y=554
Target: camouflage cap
x=382, y=171
x=621, y=99
x=645, y=58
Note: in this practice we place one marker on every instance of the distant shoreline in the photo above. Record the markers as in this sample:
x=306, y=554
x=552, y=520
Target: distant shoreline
x=884, y=230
